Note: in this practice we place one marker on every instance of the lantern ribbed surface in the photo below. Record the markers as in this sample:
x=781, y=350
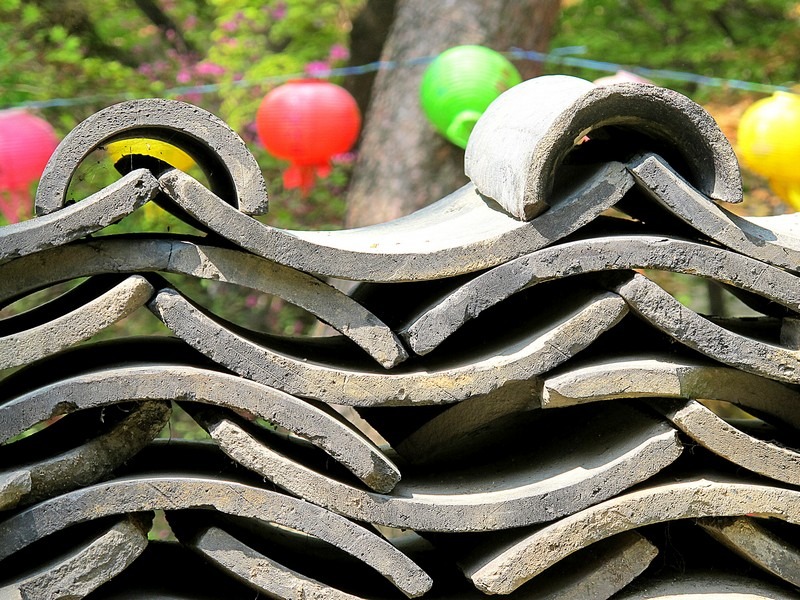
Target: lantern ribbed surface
x=460, y=84
x=769, y=137
x=308, y=121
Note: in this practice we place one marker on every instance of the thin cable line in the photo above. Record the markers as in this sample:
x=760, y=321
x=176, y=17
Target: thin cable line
x=559, y=56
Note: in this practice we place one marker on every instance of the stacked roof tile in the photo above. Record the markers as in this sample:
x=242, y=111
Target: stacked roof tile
x=512, y=403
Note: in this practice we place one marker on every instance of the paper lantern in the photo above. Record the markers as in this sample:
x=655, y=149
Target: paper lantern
x=788, y=191
x=26, y=143
x=307, y=122
x=621, y=77
x=146, y=147
x=769, y=137
x=460, y=84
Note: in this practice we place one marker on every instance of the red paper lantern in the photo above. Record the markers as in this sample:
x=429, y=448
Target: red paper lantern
x=307, y=122
x=26, y=143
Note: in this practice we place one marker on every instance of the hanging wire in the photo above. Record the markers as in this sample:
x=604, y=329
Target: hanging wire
x=559, y=56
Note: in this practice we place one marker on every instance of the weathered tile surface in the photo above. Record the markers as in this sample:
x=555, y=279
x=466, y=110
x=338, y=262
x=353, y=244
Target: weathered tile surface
x=534, y=409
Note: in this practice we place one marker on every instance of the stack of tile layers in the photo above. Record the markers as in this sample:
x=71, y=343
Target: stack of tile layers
x=534, y=396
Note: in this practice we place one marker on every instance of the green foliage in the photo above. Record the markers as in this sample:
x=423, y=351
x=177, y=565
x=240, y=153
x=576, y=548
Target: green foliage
x=42, y=58
x=109, y=50
x=733, y=39
x=253, y=42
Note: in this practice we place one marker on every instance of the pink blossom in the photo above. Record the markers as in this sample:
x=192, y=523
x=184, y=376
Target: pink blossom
x=279, y=12
x=317, y=68
x=230, y=26
x=621, y=77
x=192, y=98
x=209, y=68
x=190, y=22
x=183, y=76
x=249, y=133
x=338, y=52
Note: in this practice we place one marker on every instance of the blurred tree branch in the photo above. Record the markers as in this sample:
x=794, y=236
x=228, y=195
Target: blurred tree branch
x=170, y=31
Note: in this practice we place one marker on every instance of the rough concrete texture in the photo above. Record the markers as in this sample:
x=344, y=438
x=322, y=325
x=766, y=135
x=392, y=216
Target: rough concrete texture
x=14, y=485
x=168, y=382
x=518, y=298
x=138, y=494
x=598, y=573
x=460, y=233
x=597, y=254
x=517, y=146
x=78, y=325
x=222, y=155
x=698, y=586
x=594, y=573
x=184, y=257
x=469, y=423
x=760, y=546
x=667, y=376
x=545, y=347
x=87, y=568
x=665, y=313
x=502, y=571
x=102, y=208
x=167, y=570
x=621, y=448
x=86, y=463
x=714, y=433
x=260, y=572
x=774, y=240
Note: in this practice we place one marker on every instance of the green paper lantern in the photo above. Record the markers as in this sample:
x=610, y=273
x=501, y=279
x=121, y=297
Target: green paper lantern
x=460, y=84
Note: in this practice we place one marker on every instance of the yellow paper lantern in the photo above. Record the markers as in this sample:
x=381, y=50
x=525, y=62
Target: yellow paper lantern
x=769, y=138
x=163, y=151
x=788, y=191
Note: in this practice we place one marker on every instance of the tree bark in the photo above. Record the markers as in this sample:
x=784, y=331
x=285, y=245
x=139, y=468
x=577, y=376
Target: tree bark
x=367, y=38
x=403, y=164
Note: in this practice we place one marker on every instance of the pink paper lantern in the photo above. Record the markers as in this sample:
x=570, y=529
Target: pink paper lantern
x=26, y=143
x=621, y=77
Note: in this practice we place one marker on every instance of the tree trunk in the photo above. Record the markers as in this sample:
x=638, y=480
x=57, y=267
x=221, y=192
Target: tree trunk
x=367, y=38
x=403, y=164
